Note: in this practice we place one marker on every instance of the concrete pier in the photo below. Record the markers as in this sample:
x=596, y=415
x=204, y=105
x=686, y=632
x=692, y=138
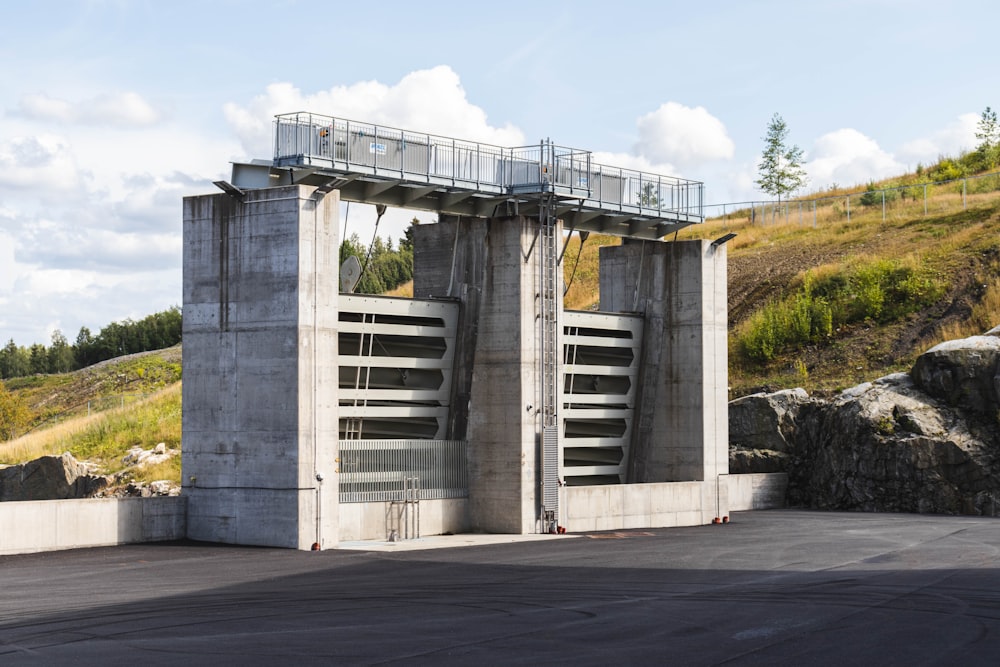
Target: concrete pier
x=260, y=367
x=495, y=272
x=682, y=431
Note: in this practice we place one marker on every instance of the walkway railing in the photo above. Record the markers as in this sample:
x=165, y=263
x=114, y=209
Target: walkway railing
x=306, y=139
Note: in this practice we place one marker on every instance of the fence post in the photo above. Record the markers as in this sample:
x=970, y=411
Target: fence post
x=814, y=214
x=964, y=182
x=883, y=206
x=925, y=199
x=848, y=208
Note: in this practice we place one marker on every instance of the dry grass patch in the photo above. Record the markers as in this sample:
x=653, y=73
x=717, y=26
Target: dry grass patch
x=105, y=438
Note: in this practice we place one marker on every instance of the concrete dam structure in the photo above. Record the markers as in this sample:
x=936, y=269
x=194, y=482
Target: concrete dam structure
x=314, y=416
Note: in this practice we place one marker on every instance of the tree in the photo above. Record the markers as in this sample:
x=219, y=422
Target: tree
x=780, y=169
x=14, y=361
x=83, y=348
x=648, y=196
x=60, y=354
x=988, y=133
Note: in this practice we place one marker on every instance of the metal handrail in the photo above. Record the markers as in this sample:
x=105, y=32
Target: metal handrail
x=523, y=170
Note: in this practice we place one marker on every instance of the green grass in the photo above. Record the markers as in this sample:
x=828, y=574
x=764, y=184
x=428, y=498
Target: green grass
x=105, y=438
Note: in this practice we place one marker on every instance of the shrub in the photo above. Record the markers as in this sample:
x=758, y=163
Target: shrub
x=880, y=290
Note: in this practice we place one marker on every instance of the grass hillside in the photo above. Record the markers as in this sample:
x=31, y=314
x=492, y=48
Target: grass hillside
x=100, y=412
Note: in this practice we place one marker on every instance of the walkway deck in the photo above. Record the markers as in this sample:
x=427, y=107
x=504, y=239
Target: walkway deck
x=380, y=165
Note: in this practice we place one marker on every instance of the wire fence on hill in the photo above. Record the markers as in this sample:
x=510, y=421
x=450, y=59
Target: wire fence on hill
x=932, y=198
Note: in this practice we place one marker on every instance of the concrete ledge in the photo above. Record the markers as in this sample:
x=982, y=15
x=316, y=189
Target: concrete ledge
x=757, y=491
x=51, y=525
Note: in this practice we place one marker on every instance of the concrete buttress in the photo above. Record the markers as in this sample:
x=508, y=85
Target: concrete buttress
x=260, y=367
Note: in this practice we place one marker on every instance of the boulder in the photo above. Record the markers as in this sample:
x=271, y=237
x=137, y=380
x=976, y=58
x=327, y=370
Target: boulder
x=926, y=441
x=765, y=421
x=49, y=478
x=137, y=456
x=962, y=373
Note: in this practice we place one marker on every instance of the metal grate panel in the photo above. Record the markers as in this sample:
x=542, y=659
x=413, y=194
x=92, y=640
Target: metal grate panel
x=382, y=470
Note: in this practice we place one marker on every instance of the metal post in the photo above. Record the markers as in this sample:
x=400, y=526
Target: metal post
x=848, y=208
x=925, y=199
x=964, y=182
x=883, y=206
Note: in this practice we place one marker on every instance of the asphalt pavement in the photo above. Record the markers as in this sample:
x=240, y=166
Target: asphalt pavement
x=769, y=588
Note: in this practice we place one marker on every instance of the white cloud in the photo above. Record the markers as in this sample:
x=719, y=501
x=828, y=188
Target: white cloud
x=431, y=100
x=952, y=140
x=683, y=135
x=125, y=109
x=42, y=161
x=848, y=157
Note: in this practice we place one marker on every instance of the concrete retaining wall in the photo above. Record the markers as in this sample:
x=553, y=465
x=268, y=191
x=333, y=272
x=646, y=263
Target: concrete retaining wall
x=757, y=491
x=659, y=505
x=669, y=504
x=50, y=525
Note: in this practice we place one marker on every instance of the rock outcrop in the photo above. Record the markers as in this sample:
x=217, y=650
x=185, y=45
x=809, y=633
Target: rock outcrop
x=49, y=478
x=63, y=477
x=927, y=441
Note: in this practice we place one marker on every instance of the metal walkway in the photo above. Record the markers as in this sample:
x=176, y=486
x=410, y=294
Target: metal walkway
x=380, y=165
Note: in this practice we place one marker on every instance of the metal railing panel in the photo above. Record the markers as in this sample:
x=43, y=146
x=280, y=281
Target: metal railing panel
x=427, y=158
x=377, y=470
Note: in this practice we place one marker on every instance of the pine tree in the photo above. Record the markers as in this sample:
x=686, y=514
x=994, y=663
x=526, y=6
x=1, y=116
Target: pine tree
x=988, y=133
x=780, y=169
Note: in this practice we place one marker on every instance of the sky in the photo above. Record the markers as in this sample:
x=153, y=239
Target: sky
x=112, y=111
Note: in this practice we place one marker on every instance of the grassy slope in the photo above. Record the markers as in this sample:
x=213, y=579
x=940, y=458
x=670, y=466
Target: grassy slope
x=99, y=412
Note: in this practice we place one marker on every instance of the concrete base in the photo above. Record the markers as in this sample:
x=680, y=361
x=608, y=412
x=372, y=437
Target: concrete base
x=664, y=505
x=757, y=491
x=623, y=506
x=51, y=525
x=368, y=521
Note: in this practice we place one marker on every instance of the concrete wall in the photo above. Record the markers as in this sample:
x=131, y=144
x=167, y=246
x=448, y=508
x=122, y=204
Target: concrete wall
x=623, y=506
x=368, y=521
x=260, y=367
x=504, y=421
x=670, y=504
x=757, y=491
x=49, y=525
x=681, y=431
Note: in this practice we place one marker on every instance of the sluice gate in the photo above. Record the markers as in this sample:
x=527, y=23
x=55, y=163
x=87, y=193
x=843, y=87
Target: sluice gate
x=307, y=412
x=601, y=353
x=396, y=364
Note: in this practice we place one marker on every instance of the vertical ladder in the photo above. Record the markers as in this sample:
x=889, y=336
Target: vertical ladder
x=550, y=294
